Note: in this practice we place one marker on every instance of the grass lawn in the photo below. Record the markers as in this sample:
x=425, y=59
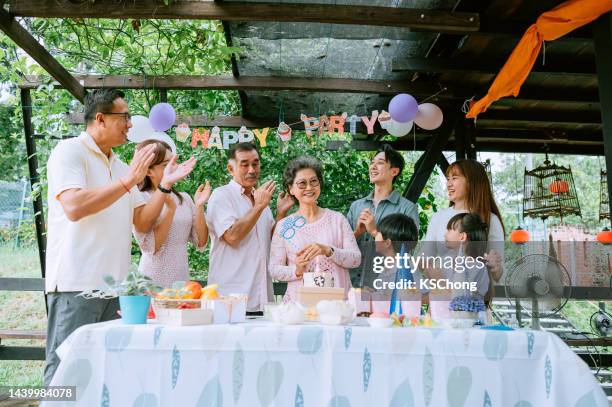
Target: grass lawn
x=21, y=310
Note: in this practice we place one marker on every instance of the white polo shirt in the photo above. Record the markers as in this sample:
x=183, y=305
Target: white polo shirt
x=241, y=270
x=80, y=254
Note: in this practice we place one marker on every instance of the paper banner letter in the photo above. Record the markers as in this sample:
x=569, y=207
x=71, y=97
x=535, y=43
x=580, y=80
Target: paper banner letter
x=353, y=120
x=199, y=135
x=215, y=138
x=369, y=123
x=310, y=124
x=323, y=125
x=262, y=135
x=229, y=137
x=337, y=123
x=245, y=135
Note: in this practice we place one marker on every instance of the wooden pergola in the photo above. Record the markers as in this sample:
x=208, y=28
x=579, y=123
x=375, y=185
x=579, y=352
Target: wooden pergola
x=565, y=106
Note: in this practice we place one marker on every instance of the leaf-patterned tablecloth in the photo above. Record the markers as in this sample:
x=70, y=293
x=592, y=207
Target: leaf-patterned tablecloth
x=261, y=364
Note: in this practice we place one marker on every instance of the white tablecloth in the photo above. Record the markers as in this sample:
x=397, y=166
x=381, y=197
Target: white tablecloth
x=258, y=363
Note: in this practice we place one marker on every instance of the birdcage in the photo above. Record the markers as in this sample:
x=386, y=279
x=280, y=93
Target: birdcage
x=549, y=190
x=604, y=198
x=487, y=166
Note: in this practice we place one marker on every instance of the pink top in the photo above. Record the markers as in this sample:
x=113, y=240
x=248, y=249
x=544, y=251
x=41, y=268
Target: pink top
x=293, y=233
x=170, y=263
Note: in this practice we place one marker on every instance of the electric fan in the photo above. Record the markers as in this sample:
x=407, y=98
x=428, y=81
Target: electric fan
x=539, y=284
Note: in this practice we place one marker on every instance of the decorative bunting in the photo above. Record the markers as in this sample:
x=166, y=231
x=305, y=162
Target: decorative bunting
x=370, y=122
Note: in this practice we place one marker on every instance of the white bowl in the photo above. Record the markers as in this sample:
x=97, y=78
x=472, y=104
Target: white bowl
x=380, y=322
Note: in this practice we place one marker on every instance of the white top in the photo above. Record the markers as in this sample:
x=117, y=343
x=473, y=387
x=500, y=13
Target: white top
x=171, y=262
x=79, y=254
x=433, y=244
x=241, y=270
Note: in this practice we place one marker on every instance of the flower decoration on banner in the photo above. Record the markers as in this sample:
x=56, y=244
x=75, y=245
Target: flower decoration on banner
x=200, y=135
x=323, y=125
x=215, y=138
x=336, y=124
x=403, y=108
x=182, y=132
x=284, y=131
x=429, y=116
x=162, y=116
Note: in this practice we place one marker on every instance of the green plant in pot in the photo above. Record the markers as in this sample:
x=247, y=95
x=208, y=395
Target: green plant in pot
x=134, y=294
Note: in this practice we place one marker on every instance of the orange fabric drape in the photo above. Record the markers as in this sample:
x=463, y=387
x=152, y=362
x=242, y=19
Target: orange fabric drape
x=549, y=26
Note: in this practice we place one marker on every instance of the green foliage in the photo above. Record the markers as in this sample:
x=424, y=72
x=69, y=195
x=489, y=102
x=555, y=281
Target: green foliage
x=134, y=284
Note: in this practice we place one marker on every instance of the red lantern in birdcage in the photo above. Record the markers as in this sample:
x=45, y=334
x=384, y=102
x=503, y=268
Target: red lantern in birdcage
x=605, y=236
x=558, y=186
x=519, y=236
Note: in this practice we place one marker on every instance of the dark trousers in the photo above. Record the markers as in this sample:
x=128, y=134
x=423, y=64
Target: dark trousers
x=68, y=312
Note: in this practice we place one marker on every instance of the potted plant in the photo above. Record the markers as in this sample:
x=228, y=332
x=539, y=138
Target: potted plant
x=134, y=295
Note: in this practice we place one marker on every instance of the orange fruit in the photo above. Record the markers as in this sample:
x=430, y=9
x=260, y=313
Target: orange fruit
x=209, y=292
x=194, y=290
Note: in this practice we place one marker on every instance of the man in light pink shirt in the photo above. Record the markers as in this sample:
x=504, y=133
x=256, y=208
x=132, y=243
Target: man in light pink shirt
x=240, y=225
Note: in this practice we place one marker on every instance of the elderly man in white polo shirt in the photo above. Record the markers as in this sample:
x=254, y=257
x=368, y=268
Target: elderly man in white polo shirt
x=93, y=202
x=241, y=224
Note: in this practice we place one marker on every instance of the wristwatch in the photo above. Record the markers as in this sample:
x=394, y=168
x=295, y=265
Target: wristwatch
x=164, y=190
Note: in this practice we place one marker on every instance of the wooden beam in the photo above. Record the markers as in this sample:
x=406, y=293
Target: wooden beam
x=603, y=55
x=249, y=83
x=22, y=284
x=33, y=48
x=462, y=65
x=541, y=115
x=484, y=145
x=422, y=19
x=199, y=120
x=22, y=353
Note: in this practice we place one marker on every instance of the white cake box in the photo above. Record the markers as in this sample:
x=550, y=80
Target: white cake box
x=225, y=310
x=182, y=317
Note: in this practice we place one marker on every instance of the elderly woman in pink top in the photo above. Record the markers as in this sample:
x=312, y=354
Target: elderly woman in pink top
x=313, y=237
x=164, y=248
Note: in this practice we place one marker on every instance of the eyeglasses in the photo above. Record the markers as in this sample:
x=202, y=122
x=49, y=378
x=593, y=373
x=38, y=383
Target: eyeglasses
x=303, y=184
x=127, y=116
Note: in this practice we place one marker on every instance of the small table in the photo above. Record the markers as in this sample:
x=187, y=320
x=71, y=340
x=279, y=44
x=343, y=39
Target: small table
x=260, y=363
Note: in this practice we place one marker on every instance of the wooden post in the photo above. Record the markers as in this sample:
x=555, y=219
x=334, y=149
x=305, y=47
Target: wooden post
x=602, y=33
x=26, y=107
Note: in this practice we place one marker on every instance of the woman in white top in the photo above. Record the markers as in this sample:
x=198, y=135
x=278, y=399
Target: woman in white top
x=469, y=190
x=164, y=248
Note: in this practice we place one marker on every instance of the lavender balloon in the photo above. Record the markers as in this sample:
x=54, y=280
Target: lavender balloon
x=403, y=108
x=162, y=116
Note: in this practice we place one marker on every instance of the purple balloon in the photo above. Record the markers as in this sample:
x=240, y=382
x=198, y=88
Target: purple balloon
x=403, y=108
x=162, y=116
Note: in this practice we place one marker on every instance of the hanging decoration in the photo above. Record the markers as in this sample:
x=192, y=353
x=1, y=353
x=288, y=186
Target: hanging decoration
x=550, y=191
x=162, y=116
x=403, y=108
x=200, y=135
x=284, y=131
x=551, y=25
x=429, y=116
x=605, y=236
x=519, y=236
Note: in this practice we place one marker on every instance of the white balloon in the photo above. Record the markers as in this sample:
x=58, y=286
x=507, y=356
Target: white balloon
x=141, y=129
x=161, y=136
x=398, y=129
x=429, y=117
